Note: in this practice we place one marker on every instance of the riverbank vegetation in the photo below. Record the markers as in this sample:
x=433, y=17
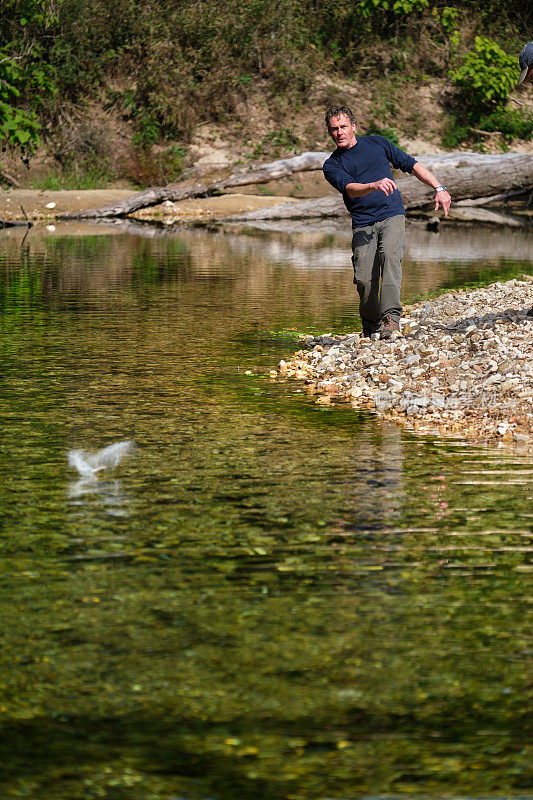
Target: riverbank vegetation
x=118, y=89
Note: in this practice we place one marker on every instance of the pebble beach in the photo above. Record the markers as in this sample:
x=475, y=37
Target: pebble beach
x=461, y=366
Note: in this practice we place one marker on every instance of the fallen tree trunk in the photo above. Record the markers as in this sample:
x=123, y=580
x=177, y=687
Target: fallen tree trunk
x=15, y=223
x=487, y=216
x=283, y=168
x=508, y=172
x=465, y=174
x=6, y=177
x=496, y=198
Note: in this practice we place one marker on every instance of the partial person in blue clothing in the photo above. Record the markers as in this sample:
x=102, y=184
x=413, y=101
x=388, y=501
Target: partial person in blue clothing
x=525, y=62
x=360, y=169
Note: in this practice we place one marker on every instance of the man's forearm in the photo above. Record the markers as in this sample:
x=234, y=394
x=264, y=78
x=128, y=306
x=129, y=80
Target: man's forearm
x=385, y=185
x=441, y=196
x=359, y=189
x=425, y=175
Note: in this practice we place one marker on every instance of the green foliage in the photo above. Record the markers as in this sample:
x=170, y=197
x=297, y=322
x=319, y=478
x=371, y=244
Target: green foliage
x=17, y=127
x=448, y=18
x=511, y=123
x=486, y=75
x=92, y=177
x=409, y=6
x=149, y=129
x=276, y=142
x=484, y=80
x=159, y=59
x=26, y=79
x=368, y=8
x=454, y=134
x=387, y=132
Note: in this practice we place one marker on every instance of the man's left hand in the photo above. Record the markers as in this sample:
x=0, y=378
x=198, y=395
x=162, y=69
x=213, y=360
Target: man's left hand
x=444, y=199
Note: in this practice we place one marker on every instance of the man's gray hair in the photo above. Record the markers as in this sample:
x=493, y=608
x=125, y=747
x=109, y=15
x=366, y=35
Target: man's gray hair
x=337, y=111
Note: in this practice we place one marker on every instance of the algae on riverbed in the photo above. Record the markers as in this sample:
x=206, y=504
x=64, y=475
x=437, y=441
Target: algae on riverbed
x=272, y=599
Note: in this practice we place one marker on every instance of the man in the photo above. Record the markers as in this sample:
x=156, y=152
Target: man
x=360, y=169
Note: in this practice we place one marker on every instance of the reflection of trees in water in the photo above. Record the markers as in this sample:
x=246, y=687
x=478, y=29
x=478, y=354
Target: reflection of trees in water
x=71, y=265
x=428, y=256
x=303, y=269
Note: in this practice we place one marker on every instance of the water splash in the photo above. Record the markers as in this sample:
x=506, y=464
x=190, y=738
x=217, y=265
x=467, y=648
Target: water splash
x=90, y=465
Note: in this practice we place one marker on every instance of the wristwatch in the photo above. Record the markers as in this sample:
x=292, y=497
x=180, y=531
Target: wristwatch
x=439, y=189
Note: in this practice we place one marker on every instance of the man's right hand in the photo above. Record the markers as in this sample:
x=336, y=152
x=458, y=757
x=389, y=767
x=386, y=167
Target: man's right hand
x=385, y=185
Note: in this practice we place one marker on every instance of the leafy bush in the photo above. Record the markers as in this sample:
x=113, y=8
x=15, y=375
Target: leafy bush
x=26, y=79
x=19, y=127
x=454, y=134
x=486, y=75
x=400, y=7
x=449, y=16
x=168, y=66
x=511, y=123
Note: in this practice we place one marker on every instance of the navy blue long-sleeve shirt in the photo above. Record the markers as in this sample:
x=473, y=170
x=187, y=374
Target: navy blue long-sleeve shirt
x=367, y=161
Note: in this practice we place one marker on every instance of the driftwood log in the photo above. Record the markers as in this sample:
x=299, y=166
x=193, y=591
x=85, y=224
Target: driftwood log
x=475, y=176
x=488, y=217
x=6, y=177
x=467, y=175
x=283, y=168
x=495, y=198
x=4, y=223
x=18, y=223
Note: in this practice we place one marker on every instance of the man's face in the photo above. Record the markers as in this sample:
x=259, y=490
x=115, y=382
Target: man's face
x=342, y=131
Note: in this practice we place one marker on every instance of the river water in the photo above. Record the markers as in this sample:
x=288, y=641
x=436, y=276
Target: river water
x=267, y=598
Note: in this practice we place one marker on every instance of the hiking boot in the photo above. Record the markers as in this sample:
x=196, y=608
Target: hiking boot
x=388, y=327
x=370, y=330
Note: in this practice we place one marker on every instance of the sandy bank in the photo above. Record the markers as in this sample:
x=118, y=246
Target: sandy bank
x=462, y=367
x=46, y=205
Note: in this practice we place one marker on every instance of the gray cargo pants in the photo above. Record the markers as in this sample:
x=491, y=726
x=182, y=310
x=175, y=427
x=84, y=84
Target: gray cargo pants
x=377, y=270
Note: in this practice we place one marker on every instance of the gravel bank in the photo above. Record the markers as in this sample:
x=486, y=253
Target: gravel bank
x=462, y=366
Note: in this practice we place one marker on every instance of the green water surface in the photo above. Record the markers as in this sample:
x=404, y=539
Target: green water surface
x=269, y=598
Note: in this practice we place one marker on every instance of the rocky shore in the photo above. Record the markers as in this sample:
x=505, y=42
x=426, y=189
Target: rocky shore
x=461, y=366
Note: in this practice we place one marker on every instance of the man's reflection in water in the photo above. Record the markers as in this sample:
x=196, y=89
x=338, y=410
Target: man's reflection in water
x=380, y=472
x=377, y=484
